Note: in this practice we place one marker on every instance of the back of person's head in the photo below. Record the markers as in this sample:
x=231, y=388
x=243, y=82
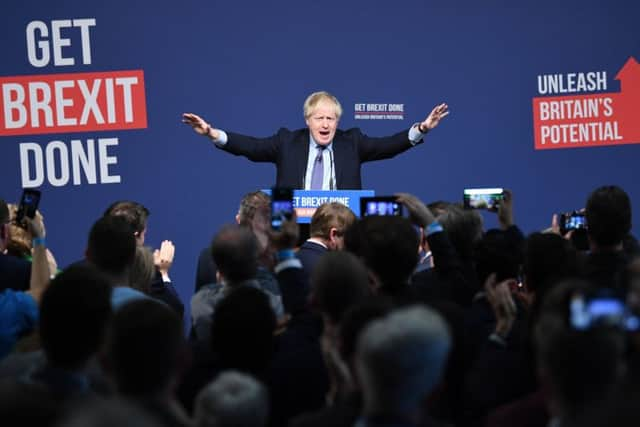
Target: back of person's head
x=330, y=216
x=388, y=245
x=4, y=221
x=145, y=347
x=235, y=252
x=401, y=358
x=133, y=212
x=233, y=399
x=143, y=270
x=548, y=258
x=620, y=411
x=108, y=413
x=439, y=207
x=497, y=253
x=242, y=330
x=27, y=404
x=254, y=205
x=608, y=214
x=19, y=243
x=4, y=212
x=464, y=227
x=356, y=319
x=112, y=245
x=74, y=314
x=339, y=281
x=581, y=365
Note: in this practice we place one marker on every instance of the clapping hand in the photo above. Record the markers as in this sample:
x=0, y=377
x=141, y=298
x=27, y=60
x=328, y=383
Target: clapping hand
x=163, y=257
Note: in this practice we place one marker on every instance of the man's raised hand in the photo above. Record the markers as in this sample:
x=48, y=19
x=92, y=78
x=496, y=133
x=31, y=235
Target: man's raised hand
x=433, y=119
x=199, y=125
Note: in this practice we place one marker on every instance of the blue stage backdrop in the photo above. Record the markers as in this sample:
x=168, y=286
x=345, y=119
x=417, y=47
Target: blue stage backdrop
x=544, y=99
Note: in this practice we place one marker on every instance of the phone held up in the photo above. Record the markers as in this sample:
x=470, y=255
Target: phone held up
x=575, y=220
x=380, y=206
x=28, y=206
x=483, y=198
x=281, y=206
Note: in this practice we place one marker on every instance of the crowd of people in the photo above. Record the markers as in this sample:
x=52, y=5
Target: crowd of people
x=423, y=320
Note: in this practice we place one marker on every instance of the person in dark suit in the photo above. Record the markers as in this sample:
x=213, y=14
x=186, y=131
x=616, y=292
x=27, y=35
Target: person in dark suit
x=328, y=225
x=320, y=157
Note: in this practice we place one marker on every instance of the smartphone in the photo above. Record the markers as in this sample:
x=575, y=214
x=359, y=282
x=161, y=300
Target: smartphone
x=28, y=205
x=381, y=206
x=572, y=221
x=281, y=206
x=605, y=310
x=482, y=198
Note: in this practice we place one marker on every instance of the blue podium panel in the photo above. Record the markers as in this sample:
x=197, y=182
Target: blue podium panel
x=305, y=202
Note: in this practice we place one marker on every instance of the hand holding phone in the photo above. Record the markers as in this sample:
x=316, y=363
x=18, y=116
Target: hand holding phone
x=483, y=198
x=281, y=206
x=28, y=206
x=575, y=220
x=380, y=206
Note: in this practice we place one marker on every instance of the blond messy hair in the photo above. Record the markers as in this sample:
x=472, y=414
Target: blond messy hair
x=313, y=100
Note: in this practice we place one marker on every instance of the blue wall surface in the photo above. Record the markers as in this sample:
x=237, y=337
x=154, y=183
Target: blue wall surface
x=247, y=66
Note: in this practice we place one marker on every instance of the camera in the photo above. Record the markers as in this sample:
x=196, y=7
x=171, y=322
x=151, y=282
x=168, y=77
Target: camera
x=281, y=206
x=482, y=198
x=380, y=206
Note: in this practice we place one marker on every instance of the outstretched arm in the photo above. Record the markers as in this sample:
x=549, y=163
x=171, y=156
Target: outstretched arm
x=438, y=113
x=200, y=126
x=255, y=149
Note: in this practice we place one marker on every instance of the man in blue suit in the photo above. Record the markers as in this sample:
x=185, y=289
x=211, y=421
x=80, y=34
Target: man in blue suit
x=320, y=157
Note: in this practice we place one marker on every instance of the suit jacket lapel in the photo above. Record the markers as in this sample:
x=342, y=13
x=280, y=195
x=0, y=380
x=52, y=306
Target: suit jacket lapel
x=338, y=157
x=301, y=156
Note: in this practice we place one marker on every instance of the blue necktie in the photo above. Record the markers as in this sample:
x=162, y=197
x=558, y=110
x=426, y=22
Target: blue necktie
x=317, y=175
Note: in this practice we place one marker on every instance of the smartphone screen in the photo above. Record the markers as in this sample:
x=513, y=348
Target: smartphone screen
x=380, y=206
x=482, y=198
x=281, y=206
x=28, y=204
x=572, y=221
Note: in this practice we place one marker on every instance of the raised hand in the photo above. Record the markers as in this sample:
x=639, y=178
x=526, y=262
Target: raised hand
x=419, y=214
x=163, y=257
x=199, y=125
x=433, y=119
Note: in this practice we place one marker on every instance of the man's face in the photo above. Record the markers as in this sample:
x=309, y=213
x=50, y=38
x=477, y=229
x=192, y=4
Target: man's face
x=323, y=122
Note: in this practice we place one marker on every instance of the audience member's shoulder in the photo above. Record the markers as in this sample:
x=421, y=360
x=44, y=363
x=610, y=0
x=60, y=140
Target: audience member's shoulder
x=15, y=272
x=123, y=294
x=208, y=291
